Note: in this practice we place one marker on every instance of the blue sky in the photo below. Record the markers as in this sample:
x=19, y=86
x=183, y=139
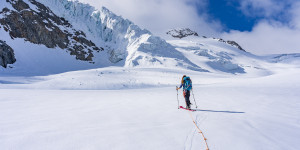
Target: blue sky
x=259, y=26
x=231, y=16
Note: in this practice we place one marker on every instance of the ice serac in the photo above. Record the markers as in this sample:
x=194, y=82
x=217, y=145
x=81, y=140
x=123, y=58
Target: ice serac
x=126, y=44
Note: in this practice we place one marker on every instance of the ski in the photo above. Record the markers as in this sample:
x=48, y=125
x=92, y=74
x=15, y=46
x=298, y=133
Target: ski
x=187, y=109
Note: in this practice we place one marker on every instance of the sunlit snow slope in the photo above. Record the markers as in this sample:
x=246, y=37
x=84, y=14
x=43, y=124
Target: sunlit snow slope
x=138, y=110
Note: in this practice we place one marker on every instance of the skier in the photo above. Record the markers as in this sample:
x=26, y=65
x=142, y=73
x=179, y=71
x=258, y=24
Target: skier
x=186, y=83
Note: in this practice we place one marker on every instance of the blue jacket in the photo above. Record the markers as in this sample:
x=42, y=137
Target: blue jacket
x=187, y=84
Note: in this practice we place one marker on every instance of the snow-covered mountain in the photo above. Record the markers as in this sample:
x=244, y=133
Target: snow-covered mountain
x=47, y=37
x=186, y=32
x=98, y=38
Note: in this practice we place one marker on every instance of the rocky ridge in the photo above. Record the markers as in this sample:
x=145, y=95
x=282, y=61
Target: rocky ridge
x=185, y=32
x=40, y=25
x=232, y=43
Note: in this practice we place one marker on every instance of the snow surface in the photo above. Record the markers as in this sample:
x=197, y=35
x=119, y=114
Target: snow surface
x=137, y=109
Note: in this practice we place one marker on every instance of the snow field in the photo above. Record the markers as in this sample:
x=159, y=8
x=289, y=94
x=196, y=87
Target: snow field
x=90, y=120
x=234, y=112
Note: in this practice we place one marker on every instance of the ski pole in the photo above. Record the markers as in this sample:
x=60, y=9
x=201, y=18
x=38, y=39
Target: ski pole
x=177, y=96
x=194, y=98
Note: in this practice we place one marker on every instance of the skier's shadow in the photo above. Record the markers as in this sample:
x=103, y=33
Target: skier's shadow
x=217, y=111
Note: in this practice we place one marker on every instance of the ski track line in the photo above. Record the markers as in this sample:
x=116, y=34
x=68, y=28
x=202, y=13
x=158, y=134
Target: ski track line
x=188, y=145
x=199, y=130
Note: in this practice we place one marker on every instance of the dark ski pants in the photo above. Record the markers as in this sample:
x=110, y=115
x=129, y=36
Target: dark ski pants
x=187, y=97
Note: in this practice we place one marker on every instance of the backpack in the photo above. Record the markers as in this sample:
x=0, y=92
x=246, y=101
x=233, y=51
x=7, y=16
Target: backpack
x=187, y=83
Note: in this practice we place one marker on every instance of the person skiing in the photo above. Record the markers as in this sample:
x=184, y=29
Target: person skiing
x=186, y=83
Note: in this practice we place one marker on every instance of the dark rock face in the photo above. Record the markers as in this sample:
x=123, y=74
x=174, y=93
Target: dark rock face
x=44, y=27
x=233, y=43
x=7, y=55
x=181, y=33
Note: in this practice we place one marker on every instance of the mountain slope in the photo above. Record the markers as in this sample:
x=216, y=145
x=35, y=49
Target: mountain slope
x=126, y=42
x=41, y=26
x=96, y=36
x=55, y=36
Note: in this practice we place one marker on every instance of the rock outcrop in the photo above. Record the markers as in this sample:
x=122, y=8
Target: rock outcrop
x=7, y=55
x=181, y=33
x=40, y=25
x=233, y=43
